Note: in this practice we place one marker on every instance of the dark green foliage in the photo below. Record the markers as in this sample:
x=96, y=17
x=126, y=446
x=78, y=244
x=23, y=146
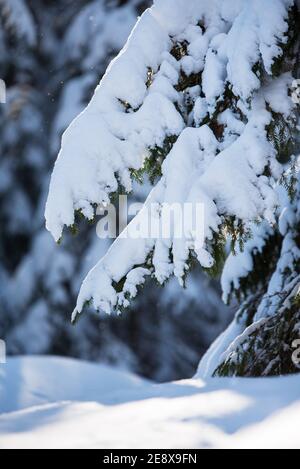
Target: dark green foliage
x=286, y=61
x=180, y=50
x=264, y=264
x=268, y=351
x=188, y=81
x=218, y=248
x=153, y=163
x=282, y=135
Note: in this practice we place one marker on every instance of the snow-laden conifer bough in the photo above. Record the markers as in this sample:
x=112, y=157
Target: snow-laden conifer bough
x=200, y=97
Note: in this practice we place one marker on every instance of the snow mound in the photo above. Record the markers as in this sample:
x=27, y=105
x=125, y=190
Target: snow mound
x=32, y=381
x=61, y=403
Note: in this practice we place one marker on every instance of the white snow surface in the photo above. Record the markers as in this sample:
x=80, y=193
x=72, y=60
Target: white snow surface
x=62, y=403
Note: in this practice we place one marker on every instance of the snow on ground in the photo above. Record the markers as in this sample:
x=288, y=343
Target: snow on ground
x=62, y=403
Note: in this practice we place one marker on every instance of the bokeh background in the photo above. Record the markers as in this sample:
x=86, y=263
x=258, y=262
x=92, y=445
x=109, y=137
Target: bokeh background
x=52, y=56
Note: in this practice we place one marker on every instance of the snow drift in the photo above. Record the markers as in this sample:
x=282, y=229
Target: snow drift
x=99, y=407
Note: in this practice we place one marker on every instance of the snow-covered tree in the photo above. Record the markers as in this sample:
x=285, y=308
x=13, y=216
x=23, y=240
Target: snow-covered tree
x=266, y=277
x=201, y=99
x=51, y=57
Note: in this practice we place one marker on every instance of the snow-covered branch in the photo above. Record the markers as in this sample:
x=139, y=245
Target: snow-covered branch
x=212, y=79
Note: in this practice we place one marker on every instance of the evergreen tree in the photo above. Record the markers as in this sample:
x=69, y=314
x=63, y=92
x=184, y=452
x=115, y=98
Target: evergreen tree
x=52, y=55
x=200, y=99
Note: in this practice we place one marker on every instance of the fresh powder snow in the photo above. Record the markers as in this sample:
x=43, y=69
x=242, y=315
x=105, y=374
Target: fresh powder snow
x=99, y=407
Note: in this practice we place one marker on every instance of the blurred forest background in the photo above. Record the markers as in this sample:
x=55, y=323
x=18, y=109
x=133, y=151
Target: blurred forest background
x=52, y=56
